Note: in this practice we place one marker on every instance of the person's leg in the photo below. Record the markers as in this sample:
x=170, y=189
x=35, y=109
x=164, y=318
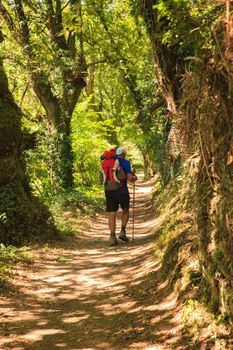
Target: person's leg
x=112, y=227
x=125, y=216
x=111, y=208
x=112, y=222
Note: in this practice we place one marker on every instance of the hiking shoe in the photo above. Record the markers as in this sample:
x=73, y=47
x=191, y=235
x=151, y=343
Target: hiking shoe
x=123, y=236
x=113, y=240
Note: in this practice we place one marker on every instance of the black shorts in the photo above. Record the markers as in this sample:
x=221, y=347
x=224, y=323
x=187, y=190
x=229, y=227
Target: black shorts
x=116, y=198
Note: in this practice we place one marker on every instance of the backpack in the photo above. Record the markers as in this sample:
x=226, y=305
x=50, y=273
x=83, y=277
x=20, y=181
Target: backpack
x=114, y=176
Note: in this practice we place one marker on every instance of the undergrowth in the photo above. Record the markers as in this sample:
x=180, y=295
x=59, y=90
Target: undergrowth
x=70, y=209
x=176, y=246
x=9, y=257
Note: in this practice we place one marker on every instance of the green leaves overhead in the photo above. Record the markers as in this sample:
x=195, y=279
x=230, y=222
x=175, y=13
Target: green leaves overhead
x=105, y=45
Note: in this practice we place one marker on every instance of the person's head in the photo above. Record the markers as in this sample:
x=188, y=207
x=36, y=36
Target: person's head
x=121, y=152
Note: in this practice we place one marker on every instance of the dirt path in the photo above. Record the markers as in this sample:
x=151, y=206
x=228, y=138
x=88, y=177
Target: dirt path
x=92, y=296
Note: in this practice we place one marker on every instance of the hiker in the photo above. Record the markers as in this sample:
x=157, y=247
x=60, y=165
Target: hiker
x=119, y=196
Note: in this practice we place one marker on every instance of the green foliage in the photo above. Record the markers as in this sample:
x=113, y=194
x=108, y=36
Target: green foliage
x=113, y=36
x=88, y=143
x=112, y=119
x=193, y=313
x=155, y=144
x=40, y=162
x=178, y=26
x=14, y=254
x=88, y=138
x=125, y=84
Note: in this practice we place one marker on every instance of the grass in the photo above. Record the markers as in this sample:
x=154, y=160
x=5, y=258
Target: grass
x=9, y=257
x=71, y=209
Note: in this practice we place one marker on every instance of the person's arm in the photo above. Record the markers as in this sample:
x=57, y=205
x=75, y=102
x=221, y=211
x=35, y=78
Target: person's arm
x=131, y=177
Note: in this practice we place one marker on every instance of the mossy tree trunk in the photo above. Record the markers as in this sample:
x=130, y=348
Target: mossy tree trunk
x=22, y=216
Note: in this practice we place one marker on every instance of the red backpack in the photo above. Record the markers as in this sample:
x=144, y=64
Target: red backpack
x=113, y=174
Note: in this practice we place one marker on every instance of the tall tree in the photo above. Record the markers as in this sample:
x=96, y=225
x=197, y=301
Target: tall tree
x=50, y=35
x=21, y=215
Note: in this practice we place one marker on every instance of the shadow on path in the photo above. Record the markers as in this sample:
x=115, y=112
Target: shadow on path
x=95, y=297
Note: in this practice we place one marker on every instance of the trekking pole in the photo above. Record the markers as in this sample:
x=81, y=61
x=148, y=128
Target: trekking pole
x=133, y=211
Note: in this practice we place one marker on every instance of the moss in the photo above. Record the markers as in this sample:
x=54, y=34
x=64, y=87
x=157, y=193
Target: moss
x=10, y=117
x=22, y=217
x=170, y=259
x=195, y=277
x=214, y=306
x=11, y=139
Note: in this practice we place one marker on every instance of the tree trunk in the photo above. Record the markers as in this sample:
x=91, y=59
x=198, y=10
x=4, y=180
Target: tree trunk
x=63, y=158
x=147, y=164
x=22, y=216
x=59, y=114
x=168, y=69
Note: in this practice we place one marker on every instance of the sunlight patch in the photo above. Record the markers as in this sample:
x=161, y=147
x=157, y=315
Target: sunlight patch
x=145, y=189
x=5, y=340
x=145, y=346
x=38, y=334
x=45, y=291
x=20, y=316
x=61, y=345
x=56, y=279
x=75, y=319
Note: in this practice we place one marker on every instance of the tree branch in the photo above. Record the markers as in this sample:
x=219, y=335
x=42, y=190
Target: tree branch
x=10, y=23
x=79, y=4
x=23, y=26
x=98, y=62
x=31, y=5
x=58, y=13
x=24, y=93
x=66, y=4
x=54, y=21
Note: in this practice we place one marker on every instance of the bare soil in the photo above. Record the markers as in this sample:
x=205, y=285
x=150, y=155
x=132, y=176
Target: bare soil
x=84, y=294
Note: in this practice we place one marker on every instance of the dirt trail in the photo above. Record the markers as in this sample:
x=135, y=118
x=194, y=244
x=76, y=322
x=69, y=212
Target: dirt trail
x=91, y=296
